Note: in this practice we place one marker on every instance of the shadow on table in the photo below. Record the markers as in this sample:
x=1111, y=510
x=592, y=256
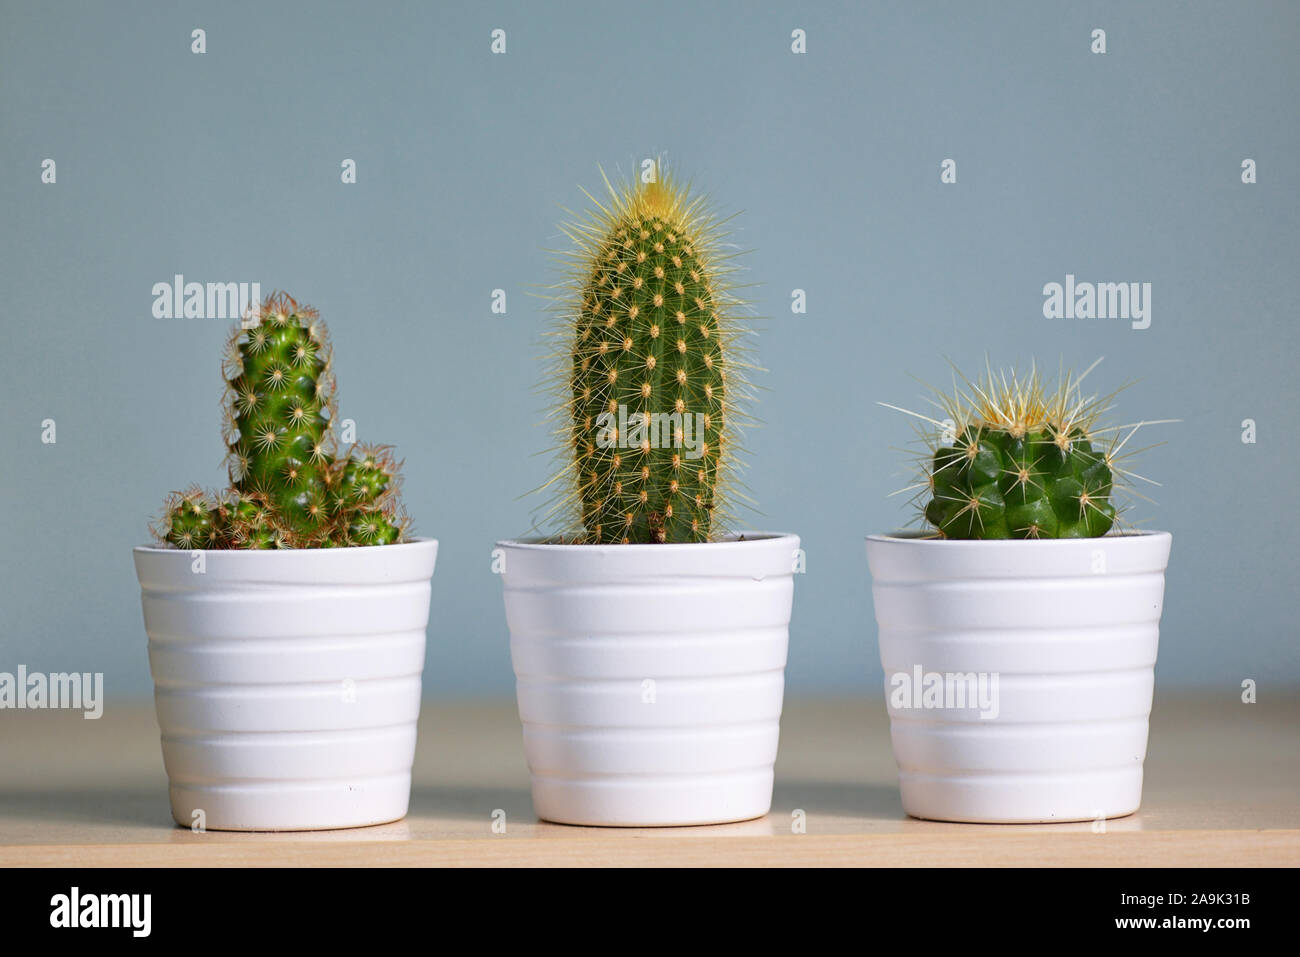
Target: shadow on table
x=852, y=799
x=135, y=807
x=838, y=799
x=149, y=808
x=472, y=803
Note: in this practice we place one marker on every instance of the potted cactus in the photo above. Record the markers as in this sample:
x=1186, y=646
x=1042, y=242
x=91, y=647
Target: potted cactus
x=648, y=640
x=1018, y=631
x=286, y=615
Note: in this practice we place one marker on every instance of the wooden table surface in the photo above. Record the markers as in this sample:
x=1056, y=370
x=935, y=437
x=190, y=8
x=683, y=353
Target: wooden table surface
x=1222, y=788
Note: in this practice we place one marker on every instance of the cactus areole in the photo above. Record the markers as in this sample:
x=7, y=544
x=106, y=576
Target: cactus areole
x=289, y=487
x=650, y=375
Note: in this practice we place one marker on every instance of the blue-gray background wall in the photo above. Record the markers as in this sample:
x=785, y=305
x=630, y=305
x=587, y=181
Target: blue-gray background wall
x=1122, y=166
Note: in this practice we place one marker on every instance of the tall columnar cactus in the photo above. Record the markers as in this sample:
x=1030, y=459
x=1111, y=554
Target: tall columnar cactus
x=1017, y=459
x=289, y=487
x=652, y=373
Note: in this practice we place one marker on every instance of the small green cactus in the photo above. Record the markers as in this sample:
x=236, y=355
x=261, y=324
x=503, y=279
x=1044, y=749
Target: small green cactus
x=280, y=400
x=652, y=371
x=289, y=487
x=1015, y=458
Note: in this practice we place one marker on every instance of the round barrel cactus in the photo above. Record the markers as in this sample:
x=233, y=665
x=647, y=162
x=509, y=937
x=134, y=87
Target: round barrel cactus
x=1015, y=458
x=997, y=482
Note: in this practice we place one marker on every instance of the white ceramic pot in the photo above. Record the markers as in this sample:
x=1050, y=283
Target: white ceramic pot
x=1069, y=628
x=287, y=683
x=650, y=677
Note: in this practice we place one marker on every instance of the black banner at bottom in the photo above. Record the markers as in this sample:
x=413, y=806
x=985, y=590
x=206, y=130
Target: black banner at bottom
x=924, y=907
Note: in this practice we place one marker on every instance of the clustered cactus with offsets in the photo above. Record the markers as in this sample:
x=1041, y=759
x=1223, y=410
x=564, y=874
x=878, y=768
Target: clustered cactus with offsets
x=650, y=370
x=289, y=487
x=1018, y=458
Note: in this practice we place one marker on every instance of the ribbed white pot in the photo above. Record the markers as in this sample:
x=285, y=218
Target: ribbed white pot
x=1068, y=627
x=650, y=677
x=287, y=683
